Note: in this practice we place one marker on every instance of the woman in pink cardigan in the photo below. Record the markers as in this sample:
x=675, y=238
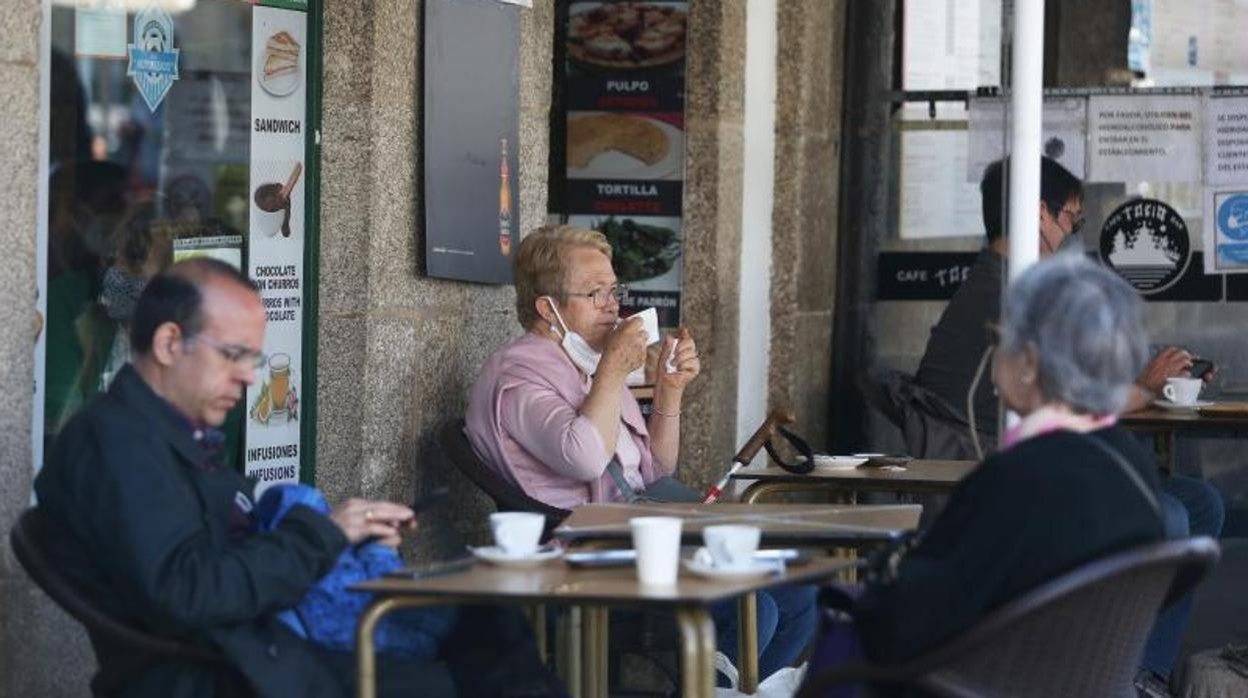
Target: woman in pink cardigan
x=552, y=413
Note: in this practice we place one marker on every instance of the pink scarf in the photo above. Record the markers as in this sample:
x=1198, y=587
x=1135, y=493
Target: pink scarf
x=1054, y=418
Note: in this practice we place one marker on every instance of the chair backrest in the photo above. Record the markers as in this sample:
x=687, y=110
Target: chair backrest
x=1081, y=634
x=506, y=496
x=38, y=546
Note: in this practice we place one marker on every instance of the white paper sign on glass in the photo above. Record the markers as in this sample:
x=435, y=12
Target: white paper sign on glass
x=1152, y=138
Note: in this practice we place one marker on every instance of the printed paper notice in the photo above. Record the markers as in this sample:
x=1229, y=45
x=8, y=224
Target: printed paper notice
x=1144, y=138
x=936, y=199
x=1226, y=141
x=1065, y=129
x=1226, y=231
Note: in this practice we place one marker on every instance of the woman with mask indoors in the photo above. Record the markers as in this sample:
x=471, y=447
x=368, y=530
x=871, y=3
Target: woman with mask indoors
x=552, y=413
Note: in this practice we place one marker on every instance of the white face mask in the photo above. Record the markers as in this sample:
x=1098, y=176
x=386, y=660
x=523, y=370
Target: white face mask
x=584, y=356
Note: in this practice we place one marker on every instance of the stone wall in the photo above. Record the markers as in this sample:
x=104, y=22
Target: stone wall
x=43, y=652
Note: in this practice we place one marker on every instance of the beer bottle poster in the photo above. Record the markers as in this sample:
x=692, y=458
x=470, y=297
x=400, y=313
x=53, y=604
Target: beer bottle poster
x=624, y=141
x=472, y=226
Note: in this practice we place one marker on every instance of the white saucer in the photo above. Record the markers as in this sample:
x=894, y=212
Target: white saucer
x=1166, y=404
x=758, y=570
x=495, y=556
x=825, y=462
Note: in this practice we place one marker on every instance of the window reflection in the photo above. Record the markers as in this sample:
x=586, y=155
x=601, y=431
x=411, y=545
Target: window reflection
x=131, y=188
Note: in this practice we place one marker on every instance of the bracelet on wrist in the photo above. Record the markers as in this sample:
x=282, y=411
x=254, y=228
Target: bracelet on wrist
x=661, y=413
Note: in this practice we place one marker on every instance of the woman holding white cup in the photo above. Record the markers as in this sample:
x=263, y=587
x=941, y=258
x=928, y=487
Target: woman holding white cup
x=552, y=414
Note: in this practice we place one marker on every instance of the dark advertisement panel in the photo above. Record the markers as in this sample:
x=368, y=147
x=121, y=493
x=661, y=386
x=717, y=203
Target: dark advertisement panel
x=472, y=222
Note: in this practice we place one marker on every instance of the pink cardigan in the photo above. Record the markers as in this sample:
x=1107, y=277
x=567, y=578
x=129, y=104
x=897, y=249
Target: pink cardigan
x=523, y=420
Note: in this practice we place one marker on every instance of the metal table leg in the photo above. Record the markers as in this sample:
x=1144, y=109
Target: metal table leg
x=697, y=652
x=594, y=652
x=365, y=650
x=747, y=643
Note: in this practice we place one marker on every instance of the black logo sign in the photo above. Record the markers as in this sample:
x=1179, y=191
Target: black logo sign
x=1146, y=242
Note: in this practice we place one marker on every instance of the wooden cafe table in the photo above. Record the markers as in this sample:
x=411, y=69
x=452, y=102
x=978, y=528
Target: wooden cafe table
x=816, y=525
x=593, y=589
x=918, y=477
x=819, y=525
x=1220, y=417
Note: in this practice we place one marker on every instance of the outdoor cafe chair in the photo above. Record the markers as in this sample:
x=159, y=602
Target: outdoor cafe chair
x=40, y=550
x=1079, y=635
x=507, y=497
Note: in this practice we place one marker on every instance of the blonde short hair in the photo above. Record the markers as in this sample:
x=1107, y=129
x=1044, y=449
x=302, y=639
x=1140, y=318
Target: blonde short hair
x=541, y=267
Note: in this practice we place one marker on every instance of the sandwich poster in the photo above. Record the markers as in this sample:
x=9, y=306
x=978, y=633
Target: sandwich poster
x=278, y=131
x=472, y=221
x=624, y=140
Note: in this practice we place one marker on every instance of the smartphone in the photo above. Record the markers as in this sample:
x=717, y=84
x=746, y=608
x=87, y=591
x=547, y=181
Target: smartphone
x=1200, y=367
x=430, y=499
x=436, y=569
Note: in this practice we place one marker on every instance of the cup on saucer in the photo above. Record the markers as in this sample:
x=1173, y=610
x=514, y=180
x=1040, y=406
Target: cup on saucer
x=732, y=546
x=517, y=533
x=1182, y=390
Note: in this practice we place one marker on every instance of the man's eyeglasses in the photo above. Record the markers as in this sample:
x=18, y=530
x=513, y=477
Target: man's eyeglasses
x=599, y=296
x=234, y=353
x=1076, y=220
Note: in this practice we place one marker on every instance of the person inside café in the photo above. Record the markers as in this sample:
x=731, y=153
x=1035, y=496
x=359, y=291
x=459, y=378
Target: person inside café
x=1071, y=343
x=957, y=351
x=552, y=414
x=161, y=534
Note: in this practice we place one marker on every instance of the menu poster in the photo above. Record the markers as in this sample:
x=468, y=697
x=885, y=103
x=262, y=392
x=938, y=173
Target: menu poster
x=276, y=234
x=1226, y=141
x=472, y=222
x=1144, y=138
x=624, y=95
x=936, y=199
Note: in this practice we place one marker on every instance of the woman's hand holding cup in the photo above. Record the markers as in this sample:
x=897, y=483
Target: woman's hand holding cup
x=626, y=348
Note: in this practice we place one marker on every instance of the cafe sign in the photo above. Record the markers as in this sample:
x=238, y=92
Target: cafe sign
x=153, y=59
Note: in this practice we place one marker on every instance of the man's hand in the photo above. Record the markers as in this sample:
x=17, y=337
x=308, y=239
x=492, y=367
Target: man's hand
x=626, y=348
x=1169, y=362
x=362, y=519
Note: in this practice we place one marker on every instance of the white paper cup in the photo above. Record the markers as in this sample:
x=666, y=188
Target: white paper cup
x=657, y=542
x=650, y=321
x=517, y=532
x=731, y=546
x=1182, y=391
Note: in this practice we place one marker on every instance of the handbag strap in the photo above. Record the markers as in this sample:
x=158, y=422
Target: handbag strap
x=616, y=471
x=1131, y=473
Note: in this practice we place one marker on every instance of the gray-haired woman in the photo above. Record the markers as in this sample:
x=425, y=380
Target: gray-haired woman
x=1067, y=486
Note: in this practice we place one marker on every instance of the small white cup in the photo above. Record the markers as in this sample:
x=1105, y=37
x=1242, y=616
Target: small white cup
x=650, y=321
x=732, y=546
x=657, y=542
x=1182, y=391
x=517, y=532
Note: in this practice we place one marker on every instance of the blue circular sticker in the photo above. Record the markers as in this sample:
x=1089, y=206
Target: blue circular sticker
x=1233, y=217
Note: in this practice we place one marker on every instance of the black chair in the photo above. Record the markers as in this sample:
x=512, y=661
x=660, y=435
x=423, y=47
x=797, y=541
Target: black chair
x=507, y=497
x=1081, y=634
x=42, y=552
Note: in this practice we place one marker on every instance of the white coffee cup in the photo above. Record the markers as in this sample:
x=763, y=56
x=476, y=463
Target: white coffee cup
x=657, y=542
x=731, y=546
x=650, y=321
x=1182, y=391
x=517, y=532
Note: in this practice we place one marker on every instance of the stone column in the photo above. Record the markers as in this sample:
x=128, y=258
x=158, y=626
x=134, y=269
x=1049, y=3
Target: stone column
x=804, y=232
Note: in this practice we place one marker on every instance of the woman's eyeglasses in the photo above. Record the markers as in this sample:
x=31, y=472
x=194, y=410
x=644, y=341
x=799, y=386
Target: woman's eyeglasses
x=600, y=296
